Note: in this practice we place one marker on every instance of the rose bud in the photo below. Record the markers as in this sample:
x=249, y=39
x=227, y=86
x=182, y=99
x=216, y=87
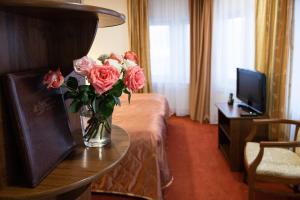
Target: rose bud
x=130, y=55
x=116, y=57
x=83, y=65
x=53, y=79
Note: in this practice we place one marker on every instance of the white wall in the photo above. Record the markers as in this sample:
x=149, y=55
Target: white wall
x=112, y=39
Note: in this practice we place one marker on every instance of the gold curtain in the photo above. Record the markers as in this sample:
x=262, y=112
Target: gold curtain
x=139, y=36
x=273, y=32
x=201, y=13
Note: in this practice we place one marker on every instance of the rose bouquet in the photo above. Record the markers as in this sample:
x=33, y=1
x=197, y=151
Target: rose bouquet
x=106, y=80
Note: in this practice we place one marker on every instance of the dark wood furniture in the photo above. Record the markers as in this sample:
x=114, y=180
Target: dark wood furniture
x=255, y=176
x=44, y=34
x=232, y=132
x=71, y=178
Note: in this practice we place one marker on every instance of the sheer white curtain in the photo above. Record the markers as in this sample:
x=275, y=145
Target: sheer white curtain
x=232, y=47
x=170, y=51
x=294, y=105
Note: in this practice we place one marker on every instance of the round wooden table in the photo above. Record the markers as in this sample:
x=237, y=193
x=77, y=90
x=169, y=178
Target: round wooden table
x=71, y=179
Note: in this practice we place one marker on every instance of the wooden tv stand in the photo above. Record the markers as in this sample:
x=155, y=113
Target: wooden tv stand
x=232, y=132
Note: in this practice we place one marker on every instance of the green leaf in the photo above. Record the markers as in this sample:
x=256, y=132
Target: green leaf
x=92, y=89
x=84, y=88
x=107, y=110
x=95, y=104
x=106, y=107
x=75, y=106
x=117, y=88
x=72, y=83
x=70, y=95
x=84, y=98
x=116, y=93
x=128, y=93
x=103, y=57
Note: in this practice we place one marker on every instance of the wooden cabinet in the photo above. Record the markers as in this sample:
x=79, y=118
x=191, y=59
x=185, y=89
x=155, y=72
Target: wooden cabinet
x=232, y=132
x=38, y=34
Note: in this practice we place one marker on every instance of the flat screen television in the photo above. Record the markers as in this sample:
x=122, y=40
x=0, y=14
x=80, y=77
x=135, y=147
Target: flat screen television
x=251, y=90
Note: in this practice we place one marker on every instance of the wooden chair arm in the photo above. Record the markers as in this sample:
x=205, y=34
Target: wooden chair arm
x=271, y=121
x=252, y=134
x=253, y=166
x=276, y=121
x=265, y=144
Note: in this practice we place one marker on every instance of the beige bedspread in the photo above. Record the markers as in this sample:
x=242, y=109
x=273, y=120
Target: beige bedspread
x=144, y=170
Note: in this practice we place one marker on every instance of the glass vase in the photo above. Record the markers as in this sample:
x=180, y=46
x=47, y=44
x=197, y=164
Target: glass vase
x=96, y=132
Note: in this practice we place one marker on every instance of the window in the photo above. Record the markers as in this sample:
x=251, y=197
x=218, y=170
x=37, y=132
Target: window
x=232, y=47
x=294, y=106
x=170, y=52
x=160, y=49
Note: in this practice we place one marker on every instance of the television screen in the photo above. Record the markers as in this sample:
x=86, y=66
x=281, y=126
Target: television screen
x=251, y=89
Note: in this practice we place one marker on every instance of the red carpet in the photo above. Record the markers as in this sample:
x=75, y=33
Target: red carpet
x=200, y=171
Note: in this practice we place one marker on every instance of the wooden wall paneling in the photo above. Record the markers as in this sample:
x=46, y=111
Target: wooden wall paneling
x=25, y=44
x=4, y=54
x=2, y=143
x=30, y=42
x=69, y=40
x=38, y=34
x=3, y=62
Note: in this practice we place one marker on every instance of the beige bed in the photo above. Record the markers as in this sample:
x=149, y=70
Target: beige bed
x=144, y=171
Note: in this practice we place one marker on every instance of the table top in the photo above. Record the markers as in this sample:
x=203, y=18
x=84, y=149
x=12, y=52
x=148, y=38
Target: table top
x=80, y=168
x=234, y=112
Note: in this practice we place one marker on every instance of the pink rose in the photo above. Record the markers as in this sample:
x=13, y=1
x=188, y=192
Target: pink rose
x=83, y=65
x=116, y=57
x=129, y=55
x=53, y=79
x=134, y=78
x=103, y=77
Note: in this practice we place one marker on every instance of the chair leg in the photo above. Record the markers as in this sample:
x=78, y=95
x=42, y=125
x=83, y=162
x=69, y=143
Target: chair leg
x=245, y=177
x=251, y=193
x=251, y=186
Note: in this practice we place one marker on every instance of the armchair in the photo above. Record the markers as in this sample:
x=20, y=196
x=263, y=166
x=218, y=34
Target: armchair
x=270, y=161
